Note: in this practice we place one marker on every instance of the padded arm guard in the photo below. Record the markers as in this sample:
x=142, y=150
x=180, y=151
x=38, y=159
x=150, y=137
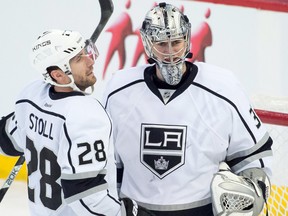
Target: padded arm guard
x=236, y=195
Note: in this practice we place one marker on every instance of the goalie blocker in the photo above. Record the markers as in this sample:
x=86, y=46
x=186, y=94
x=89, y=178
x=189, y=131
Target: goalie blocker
x=239, y=195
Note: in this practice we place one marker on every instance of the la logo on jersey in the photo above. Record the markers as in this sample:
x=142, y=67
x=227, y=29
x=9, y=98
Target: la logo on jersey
x=163, y=148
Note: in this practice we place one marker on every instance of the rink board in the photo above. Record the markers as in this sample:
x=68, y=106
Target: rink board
x=6, y=165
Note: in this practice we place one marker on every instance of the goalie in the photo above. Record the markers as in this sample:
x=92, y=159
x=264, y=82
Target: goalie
x=175, y=121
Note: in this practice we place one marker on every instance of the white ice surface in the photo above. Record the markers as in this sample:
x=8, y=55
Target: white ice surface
x=15, y=201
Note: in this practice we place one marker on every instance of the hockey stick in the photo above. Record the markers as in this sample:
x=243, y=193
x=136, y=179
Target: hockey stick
x=11, y=176
x=106, y=11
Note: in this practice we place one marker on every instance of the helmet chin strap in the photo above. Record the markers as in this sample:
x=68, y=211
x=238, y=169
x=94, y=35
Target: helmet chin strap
x=71, y=85
x=75, y=87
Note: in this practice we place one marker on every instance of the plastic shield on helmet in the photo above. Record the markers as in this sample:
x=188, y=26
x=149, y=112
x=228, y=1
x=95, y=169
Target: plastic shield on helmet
x=91, y=50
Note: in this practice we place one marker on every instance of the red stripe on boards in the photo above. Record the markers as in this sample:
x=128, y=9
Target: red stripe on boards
x=272, y=5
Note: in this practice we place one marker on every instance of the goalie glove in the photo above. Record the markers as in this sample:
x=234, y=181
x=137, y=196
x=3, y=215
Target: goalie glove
x=235, y=195
x=131, y=208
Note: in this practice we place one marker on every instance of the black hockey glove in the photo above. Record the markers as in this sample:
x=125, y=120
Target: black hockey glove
x=133, y=209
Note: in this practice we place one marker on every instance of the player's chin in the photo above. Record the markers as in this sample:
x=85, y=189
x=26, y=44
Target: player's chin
x=93, y=79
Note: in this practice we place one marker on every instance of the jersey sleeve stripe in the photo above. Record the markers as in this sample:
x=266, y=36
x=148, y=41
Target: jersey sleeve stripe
x=86, y=193
x=250, y=159
x=264, y=151
x=77, y=189
x=265, y=141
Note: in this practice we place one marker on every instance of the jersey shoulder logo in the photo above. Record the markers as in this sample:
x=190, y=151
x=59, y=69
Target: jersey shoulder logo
x=162, y=148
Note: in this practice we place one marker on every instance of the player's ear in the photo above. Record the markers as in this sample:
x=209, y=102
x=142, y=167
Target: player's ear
x=58, y=75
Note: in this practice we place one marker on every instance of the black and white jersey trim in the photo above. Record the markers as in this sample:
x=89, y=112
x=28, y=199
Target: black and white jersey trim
x=40, y=109
x=6, y=140
x=266, y=146
x=232, y=104
x=189, y=207
x=123, y=87
x=76, y=189
x=89, y=210
x=69, y=150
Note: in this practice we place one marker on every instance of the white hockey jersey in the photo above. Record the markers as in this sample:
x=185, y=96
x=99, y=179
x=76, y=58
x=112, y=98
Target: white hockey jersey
x=170, y=141
x=65, y=138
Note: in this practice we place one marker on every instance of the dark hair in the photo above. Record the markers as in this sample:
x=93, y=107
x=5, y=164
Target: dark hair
x=50, y=69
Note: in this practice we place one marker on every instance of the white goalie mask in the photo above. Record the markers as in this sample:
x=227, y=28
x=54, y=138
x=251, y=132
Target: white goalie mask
x=166, y=35
x=56, y=48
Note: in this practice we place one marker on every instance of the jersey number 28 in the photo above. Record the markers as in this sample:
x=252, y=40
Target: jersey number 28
x=51, y=171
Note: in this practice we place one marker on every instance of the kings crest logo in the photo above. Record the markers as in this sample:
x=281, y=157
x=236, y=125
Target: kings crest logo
x=163, y=148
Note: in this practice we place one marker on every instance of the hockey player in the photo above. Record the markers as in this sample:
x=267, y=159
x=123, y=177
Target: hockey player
x=176, y=122
x=64, y=134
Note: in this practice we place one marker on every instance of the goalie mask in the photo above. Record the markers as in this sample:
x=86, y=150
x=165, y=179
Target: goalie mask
x=56, y=48
x=166, y=38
